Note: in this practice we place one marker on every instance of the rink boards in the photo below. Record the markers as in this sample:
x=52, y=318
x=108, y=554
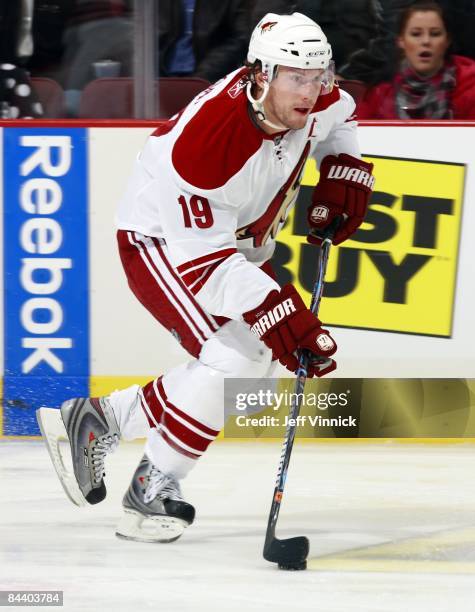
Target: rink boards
x=401, y=293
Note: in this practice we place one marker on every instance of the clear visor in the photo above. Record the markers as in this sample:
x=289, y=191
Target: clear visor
x=317, y=81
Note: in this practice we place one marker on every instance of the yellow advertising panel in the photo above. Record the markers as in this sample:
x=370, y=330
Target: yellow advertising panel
x=399, y=272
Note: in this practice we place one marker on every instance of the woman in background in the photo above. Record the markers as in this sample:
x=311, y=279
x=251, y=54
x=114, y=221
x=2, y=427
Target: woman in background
x=430, y=83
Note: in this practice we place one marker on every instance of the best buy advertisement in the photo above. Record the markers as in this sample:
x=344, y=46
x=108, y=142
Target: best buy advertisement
x=399, y=272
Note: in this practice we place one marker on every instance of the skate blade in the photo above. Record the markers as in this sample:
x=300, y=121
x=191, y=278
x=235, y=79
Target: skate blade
x=139, y=528
x=53, y=431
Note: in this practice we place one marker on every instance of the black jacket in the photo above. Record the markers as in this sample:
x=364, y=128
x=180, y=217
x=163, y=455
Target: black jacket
x=9, y=24
x=220, y=35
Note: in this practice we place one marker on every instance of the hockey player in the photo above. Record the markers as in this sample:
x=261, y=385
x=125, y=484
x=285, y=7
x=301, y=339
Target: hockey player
x=196, y=231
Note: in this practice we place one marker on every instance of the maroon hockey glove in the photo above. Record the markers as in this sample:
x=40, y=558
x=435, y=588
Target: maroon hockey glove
x=285, y=324
x=344, y=188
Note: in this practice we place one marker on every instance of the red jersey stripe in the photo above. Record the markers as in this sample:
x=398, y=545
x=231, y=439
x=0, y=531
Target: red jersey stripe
x=176, y=447
x=162, y=282
x=200, y=276
x=183, y=415
x=209, y=258
x=199, y=284
x=166, y=418
x=209, y=319
x=208, y=153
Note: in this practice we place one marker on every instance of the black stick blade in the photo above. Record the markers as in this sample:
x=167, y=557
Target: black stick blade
x=287, y=553
x=293, y=567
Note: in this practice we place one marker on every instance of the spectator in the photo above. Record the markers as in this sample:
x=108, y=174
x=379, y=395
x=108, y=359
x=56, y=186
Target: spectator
x=376, y=62
x=50, y=18
x=430, y=83
x=12, y=21
x=348, y=24
x=202, y=39
x=98, y=32
x=17, y=98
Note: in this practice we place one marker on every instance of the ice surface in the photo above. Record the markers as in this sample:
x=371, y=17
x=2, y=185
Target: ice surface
x=391, y=528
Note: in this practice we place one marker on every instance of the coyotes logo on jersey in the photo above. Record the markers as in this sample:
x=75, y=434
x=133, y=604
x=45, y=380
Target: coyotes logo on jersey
x=269, y=223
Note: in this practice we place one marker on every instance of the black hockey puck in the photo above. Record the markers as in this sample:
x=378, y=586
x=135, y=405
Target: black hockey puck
x=300, y=565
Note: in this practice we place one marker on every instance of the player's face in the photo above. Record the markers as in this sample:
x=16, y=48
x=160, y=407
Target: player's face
x=292, y=95
x=424, y=42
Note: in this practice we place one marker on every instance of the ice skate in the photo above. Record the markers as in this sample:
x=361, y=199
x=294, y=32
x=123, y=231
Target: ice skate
x=90, y=428
x=154, y=508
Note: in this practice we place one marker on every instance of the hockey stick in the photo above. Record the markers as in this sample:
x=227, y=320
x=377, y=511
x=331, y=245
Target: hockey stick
x=291, y=554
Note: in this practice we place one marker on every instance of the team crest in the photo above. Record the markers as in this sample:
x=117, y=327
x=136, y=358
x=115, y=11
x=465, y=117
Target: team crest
x=267, y=26
x=269, y=224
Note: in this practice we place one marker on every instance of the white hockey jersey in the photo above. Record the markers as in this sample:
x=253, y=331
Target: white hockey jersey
x=217, y=189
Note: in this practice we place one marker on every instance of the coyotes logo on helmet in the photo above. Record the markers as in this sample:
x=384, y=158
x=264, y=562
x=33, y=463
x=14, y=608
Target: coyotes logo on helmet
x=267, y=26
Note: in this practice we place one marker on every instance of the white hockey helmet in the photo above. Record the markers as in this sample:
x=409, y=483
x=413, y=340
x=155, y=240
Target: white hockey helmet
x=289, y=40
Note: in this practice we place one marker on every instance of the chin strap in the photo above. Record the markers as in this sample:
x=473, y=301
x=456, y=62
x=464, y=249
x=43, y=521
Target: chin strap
x=258, y=106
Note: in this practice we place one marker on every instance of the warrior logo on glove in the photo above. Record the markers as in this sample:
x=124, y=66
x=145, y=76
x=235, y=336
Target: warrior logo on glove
x=285, y=325
x=351, y=174
x=267, y=319
x=344, y=189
